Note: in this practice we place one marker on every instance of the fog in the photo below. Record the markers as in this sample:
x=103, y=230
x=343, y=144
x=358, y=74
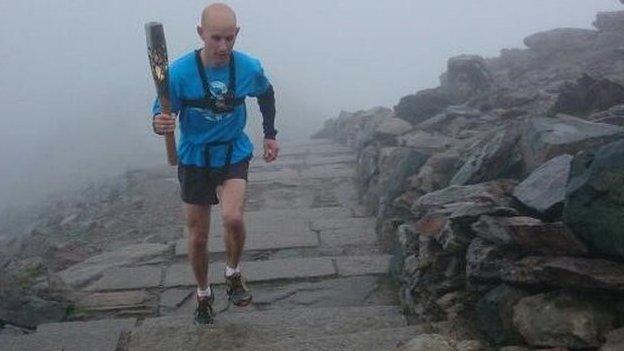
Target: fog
x=75, y=88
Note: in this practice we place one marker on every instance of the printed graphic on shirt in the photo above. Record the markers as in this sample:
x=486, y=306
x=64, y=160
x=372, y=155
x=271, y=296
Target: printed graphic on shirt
x=218, y=90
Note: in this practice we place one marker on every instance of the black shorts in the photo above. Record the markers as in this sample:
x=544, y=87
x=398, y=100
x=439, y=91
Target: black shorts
x=198, y=185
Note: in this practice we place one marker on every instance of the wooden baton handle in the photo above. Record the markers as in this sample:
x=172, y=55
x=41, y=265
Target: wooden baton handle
x=159, y=64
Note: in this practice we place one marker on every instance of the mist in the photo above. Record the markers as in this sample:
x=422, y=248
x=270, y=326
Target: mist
x=76, y=89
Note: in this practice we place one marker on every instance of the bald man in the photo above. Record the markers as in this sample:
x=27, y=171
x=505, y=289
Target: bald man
x=208, y=88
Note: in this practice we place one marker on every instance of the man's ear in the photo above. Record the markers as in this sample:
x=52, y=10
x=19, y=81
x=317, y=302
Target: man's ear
x=200, y=31
x=237, y=30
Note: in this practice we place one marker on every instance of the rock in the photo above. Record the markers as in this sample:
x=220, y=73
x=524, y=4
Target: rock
x=469, y=345
x=561, y=40
x=530, y=235
x=495, y=193
x=495, y=156
x=485, y=263
x=427, y=342
x=546, y=138
x=356, y=129
x=559, y=319
x=466, y=76
x=91, y=269
x=495, y=314
x=453, y=238
x=30, y=310
x=609, y=21
x=544, y=190
x=390, y=128
x=593, y=206
x=428, y=143
x=435, y=174
x=567, y=272
x=423, y=105
x=112, y=301
x=402, y=163
x=615, y=340
x=456, y=120
x=617, y=110
x=614, y=120
x=513, y=348
x=466, y=213
x=587, y=95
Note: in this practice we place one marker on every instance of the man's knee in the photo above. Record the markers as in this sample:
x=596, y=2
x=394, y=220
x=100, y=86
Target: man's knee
x=233, y=222
x=198, y=231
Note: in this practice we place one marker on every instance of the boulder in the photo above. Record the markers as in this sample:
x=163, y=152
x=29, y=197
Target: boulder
x=545, y=138
x=494, y=156
x=560, y=40
x=466, y=76
x=455, y=120
x=422, y=105
x=530, y=235
x=587, y=95
x=566, y=272
x=544, y=190
x=427, y=342
x=436, y=173
x=390, y=128
x=429, y=143
x=593, y=206
x=615, y=340
x=610, y=21
x=560, y=319
x=401, y=164
x=495, y=193
x=495, y=314
x=485, y=263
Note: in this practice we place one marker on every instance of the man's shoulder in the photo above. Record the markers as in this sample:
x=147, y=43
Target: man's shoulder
x=183, y=64
x=247, y=60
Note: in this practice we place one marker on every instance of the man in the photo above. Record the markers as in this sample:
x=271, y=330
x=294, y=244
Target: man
x=208, y=88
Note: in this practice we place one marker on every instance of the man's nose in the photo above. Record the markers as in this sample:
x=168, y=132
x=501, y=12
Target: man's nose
x=222, y=45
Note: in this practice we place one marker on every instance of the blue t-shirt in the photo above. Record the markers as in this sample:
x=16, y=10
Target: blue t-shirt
x=199, y=126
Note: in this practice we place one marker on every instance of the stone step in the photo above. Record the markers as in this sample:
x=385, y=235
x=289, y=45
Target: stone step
x=371, y=340
x=278, y=229
x=233, y=331
x=180, y=274
x=101, y=335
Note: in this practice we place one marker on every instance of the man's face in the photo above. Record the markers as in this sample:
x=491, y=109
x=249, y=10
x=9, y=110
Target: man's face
x=218, y=42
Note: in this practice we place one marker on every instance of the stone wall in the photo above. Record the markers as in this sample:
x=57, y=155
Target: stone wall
x=500, y=190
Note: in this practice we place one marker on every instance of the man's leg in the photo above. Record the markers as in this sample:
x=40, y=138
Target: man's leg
x=232, y=198
x=198, y=224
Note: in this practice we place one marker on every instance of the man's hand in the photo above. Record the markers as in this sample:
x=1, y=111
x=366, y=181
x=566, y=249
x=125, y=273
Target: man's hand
x=271, y=148
x=163, y=123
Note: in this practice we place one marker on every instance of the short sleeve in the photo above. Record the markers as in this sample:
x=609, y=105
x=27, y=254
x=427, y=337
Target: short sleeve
x=260, y=83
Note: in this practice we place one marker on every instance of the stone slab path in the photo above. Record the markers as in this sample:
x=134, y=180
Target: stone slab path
x=319, y=279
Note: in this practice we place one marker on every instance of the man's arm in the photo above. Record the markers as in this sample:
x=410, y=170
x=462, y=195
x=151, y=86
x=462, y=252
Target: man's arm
x=266, y=102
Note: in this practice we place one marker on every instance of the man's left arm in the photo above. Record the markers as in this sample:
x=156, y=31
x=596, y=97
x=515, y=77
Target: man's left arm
x=266, y=102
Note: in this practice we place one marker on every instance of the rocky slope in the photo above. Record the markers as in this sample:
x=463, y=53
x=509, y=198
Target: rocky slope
x=500, y=190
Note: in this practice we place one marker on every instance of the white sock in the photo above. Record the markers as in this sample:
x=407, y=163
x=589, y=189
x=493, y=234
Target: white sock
x=229, y=271
x=204, y=293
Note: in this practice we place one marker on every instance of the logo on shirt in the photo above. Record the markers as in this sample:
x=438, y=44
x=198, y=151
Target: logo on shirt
x=218, y=90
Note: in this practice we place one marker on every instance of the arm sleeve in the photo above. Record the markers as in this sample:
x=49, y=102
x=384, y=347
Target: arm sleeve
x=266, y=102
x=263, y=91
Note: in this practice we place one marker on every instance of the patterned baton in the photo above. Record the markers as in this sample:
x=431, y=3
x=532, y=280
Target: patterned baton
x=157, y=53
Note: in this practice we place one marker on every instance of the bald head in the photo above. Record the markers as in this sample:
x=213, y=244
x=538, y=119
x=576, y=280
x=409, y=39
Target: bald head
x=218, y=15
x=218, y=31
